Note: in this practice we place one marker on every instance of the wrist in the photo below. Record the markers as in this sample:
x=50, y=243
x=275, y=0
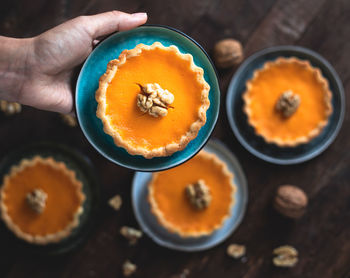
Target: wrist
x=14, y=66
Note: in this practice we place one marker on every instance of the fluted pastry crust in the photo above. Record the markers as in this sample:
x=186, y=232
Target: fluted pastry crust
x=312, y=133
x=48, y=238
x=112, y=131
x=172, y=227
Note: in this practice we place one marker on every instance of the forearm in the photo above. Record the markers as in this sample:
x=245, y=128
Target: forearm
x=14, y=66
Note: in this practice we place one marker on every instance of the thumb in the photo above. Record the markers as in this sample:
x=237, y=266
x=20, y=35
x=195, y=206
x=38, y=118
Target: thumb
x=109, y=22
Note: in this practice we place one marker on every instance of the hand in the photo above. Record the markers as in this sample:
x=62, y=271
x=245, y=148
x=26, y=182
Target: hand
x=40, y=69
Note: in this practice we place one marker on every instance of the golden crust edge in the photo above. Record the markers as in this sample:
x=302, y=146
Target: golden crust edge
x=41, y=239
x=327, y=98
x=170, y=148
x=174, y=228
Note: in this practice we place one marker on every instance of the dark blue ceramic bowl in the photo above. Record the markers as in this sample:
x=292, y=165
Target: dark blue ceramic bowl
x=84, y=171
x=256, y=144
x=95, y=66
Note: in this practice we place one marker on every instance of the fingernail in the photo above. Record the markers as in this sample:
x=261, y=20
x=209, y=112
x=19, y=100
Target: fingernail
x=139, y=15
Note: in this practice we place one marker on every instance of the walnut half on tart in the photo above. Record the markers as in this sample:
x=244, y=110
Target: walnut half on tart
x=41, y=200
x=152, y=100
x=288, y=102
x=195, y=198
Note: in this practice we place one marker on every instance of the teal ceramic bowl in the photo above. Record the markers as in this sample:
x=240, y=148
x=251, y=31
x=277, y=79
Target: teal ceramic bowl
x=95, y=66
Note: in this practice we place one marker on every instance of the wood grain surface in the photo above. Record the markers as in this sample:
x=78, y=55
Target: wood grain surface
x=322, y=236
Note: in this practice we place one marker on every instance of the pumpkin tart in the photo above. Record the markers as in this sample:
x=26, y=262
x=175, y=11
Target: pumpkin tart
x=195, y=198
x=287, y=101
x=152, y=100
x=41, y=200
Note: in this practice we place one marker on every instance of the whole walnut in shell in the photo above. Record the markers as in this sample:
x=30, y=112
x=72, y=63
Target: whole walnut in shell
x=227, y=53
x=290, y=201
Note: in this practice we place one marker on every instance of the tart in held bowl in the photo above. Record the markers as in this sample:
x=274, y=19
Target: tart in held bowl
x=41, y=200
x=287, y=101
x=152, y=100
x=195, y=198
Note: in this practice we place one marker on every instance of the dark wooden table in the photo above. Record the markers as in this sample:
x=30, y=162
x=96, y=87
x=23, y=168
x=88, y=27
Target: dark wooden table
x=322, y=236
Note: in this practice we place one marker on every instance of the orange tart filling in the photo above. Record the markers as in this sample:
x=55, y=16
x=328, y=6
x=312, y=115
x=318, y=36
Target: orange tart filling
x=195, y=198
x=41, y=200
x=288, y=102
x=125, y=104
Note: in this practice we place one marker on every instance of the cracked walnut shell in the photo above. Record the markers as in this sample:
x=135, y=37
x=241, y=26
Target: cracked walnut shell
x=285, y=256
x=129, y=268
x=236, y=251
x=115, y=202
x=131, y=234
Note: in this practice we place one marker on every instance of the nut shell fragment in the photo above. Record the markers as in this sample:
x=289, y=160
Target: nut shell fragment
x=133, y=235
x=236, y=251
x=116, y=202
x=129, y=268
x=285, y=256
